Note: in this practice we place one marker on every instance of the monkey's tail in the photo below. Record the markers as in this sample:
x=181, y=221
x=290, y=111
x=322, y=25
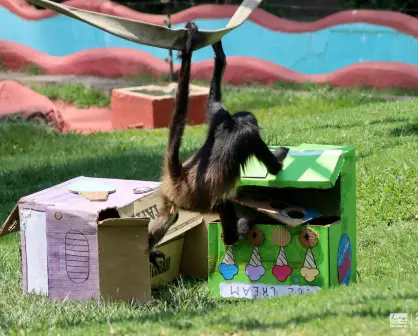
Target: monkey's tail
x=178, y=121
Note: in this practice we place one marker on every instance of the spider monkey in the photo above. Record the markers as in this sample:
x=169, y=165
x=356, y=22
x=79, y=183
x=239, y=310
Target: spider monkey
x=206, y=182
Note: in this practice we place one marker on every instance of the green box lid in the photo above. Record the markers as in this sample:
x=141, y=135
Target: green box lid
x=306, y=166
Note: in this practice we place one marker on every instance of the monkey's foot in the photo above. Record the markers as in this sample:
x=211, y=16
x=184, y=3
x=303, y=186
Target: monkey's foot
x=231, y=239
x=153, y=256
x=218, y=49
x=244, y=226
x=193, y=33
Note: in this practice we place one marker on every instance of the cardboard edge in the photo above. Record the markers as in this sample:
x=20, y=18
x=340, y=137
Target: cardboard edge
x=194, y=259
x=12, y=223
x=337, y=171
x=43, y=191
x=329, y=258
x=210, y=218
x=129, y=221
x=176, y=231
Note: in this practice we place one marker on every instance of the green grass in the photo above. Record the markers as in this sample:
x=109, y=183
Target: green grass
x=76, y=94
x=3, y=67
x=83, y=97
x=385, y=135
x=294, y=87
x=34, y=70
x=358, y=90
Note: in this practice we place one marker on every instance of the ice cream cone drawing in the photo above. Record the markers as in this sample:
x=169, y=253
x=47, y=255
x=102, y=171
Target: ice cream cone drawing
x=281, y=237
x=255, y=269
x=227, y=268
x=309, y=271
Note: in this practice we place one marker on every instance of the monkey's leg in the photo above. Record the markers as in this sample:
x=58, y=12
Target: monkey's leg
x=157, y=232
x=272, y=161
x=214, y=103
x=229, y=222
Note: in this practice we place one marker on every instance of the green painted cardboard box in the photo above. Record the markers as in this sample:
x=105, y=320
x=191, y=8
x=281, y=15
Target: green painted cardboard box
x=316, y=188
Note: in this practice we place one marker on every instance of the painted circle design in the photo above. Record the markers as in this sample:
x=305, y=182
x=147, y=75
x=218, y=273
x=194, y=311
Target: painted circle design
x=255, y=237
x=77, y=256
x=281, y=236
x=344, y=260
x=308, y=238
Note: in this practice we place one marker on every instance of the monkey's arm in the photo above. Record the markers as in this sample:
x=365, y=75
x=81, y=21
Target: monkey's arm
x=232, y=227
x=272, y=161
x=215, y=94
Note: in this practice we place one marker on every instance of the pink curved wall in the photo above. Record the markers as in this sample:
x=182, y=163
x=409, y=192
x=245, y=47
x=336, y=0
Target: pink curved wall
x=125, y=62
x=116, y=62
x=401, y=22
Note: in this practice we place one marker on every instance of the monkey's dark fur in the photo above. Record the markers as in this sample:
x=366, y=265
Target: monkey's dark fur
x=205, y=183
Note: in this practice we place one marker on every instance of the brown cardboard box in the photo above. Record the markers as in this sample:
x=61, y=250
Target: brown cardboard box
x=78, y=249
x=194, y=261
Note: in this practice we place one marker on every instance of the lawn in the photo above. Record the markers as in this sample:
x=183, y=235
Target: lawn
x=385, y=136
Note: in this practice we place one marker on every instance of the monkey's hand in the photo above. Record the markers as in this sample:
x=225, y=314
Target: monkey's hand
x=153, y=256
x=280, y=154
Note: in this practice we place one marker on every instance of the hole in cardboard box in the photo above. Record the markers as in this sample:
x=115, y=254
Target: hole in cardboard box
x=295, y=213
x=108, y=214
x=324, y=220
x=279, y=205
x=259, y=197
x=325, y=201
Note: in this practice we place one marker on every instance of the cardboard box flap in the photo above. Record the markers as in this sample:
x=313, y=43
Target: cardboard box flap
x=187, y=221
x=124, y=222
x=306, y=166
x=11, y=224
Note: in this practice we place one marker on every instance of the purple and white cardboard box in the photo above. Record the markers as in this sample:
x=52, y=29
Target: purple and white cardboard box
x=78, y=249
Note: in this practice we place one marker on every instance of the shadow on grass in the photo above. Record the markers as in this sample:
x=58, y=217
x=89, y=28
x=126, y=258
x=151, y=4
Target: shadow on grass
x=174, y=303
x=371, y=152
x=249, y=323
x=120, y=165
x=388, y=120
x=180, y=317
x=139, y=164
x=410, y=129
x=21, y=182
